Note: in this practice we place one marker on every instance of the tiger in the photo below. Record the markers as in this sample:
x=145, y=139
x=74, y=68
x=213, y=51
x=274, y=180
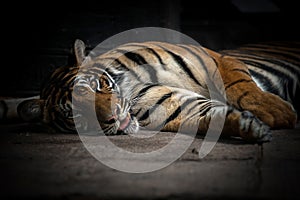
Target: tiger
x=167, y=87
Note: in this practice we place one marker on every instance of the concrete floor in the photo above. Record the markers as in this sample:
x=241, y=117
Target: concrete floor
x=57, y=166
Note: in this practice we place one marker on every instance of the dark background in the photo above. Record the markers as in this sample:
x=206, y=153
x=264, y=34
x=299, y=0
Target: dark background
x=38, y=38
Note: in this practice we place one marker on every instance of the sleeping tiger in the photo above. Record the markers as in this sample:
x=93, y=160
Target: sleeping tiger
x=163, y=86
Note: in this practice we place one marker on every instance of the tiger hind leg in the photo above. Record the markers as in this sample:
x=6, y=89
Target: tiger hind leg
x=243, y=93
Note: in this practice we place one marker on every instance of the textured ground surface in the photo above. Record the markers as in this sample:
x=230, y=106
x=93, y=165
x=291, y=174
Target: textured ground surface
x=58, y=166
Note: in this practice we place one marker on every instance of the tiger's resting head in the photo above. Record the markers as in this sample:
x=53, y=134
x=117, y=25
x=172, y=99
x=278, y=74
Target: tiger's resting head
x=96, y=96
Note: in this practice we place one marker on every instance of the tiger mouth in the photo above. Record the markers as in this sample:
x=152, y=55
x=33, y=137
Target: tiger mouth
x=122, y=124
x=125, y=123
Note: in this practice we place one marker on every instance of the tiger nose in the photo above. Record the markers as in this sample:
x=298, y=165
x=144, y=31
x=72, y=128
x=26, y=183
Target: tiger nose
x=105, y=105
x=111, y=120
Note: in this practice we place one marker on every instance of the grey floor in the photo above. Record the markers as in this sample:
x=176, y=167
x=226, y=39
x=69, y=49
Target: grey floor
x=57, y=166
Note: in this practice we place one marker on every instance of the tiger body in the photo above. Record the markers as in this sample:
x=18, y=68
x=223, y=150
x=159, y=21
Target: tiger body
x=167, y=87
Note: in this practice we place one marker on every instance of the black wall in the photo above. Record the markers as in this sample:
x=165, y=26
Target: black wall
x=38, y=38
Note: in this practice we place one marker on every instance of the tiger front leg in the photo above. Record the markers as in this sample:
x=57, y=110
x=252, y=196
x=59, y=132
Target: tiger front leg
x=213, y=114
x=178, y=110
x=244, y=94
x=247, y=126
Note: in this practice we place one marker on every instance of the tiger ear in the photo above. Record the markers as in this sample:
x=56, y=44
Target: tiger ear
x=79, y=49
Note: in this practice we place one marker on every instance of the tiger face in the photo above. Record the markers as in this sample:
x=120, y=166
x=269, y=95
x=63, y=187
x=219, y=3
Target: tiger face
x=99, y=94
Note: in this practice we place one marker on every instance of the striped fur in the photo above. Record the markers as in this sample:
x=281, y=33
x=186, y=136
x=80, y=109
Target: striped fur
x=167, y=87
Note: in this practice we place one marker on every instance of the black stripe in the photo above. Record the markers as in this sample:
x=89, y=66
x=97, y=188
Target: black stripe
x=240, y=99
x=287, y=90
x=273, y=72
x=217, y=67
x=202, y=111
x=152, y=51
x=137, y=58
x=200, y=48
x=205, y=108
x=163, y=98
x=275, y=61
x=143, y=91
x=273, y=52
x=162, y=64
x=265, y=81
x=116, y=77
x=267, y=57
x=127, y=69
x=176, y=113
x=62, y=83
x=69, y=96
x=197, y=56
x=183, y=65
x=135, y=114
x=192, y=116
x=67, y=85
x=99, y=69
x=229, y=110
x=268, y=69
x=236, y=82
x=153, y=108
x=173, y=116
x=123, y=66
x=198, y=102
x=156, y=55
x=242, y=71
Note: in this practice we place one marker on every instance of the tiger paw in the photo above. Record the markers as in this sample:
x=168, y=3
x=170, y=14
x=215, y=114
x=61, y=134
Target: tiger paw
x=254, y=130
x=272, y=110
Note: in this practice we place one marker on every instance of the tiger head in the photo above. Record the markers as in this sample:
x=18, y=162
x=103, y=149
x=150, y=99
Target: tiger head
x=97, y=96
